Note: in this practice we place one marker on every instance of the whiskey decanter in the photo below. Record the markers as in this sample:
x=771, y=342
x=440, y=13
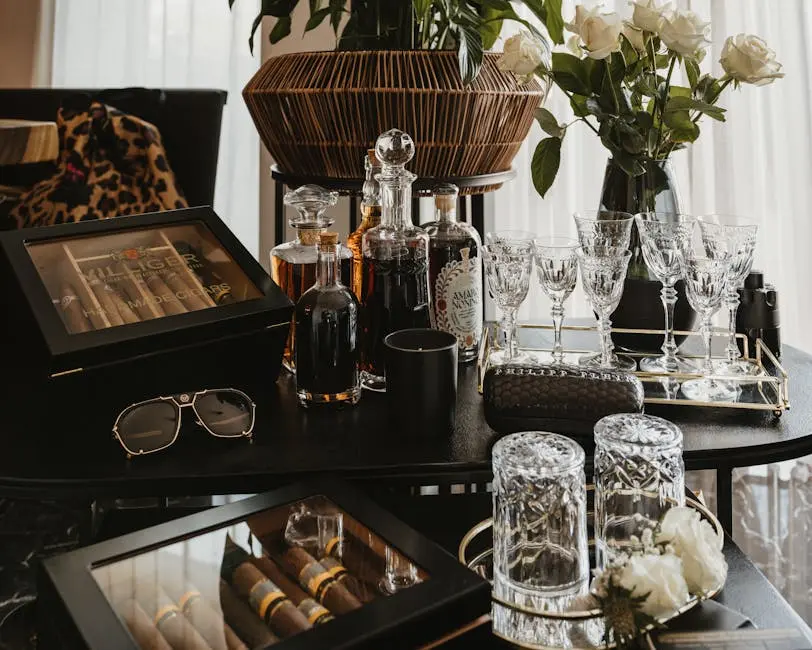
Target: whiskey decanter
x=395, y=290
x=455, y=274
x=293, y=264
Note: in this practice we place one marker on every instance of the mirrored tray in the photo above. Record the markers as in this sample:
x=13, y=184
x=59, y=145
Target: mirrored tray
x=559, y=629
x=766, y=391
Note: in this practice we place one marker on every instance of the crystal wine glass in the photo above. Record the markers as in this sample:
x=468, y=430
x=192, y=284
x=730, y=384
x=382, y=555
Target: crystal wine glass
x=603, y=232
x=557, y=269
x=602, y=277
x=736, y=238
x=664, y=237
x=705, y=281
x=508, y=267
x=499, y=237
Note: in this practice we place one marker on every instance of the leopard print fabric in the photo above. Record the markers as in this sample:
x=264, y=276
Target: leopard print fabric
x=110, y=164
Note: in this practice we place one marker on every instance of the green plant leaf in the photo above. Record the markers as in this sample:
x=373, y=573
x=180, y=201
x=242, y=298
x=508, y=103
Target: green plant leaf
x=470, y=50
x=682, y=128
x=316, y=18
x=548, y=123
x=679, y=91
x=692, y=72
x=278, y=8
x=571, y=73
x=630, y=138
x=632, y=165
x=281, y=29
x=257, y=22
x=545, y=164
x=644, y=119
x=578, y=105
x=681, y=103
x=554, y=21
x=336, y=10
x=421, y=7
x=707, y=89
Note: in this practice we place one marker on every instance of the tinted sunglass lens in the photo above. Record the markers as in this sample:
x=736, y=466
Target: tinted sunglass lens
x=148, y=427
x=226, y=413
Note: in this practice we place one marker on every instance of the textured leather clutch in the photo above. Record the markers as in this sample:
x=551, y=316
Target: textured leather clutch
x=563, y=399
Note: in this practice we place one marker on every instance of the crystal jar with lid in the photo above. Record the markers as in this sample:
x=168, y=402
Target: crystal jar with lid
x=395, y=289
x=294, y=263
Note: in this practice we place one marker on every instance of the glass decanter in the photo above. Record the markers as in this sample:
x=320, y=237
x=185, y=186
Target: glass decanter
x=293, y=264
x=370, y=217
x=455, y=274
x=327, y=335
x=395, y=289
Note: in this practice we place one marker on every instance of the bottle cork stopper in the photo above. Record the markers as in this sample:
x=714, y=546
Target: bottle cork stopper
x=445, y=202
x=328, y=238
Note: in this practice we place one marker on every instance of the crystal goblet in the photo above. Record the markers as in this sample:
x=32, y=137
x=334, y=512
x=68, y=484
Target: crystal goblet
x=603, y=232
x=557, y=270
x=735, y=237
x=664, y=237
x=498, y=237
x=705, y=281
x=508, y=267
x=602, y=277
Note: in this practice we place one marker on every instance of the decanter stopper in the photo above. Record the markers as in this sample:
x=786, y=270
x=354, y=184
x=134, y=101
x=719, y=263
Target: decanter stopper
x=310, y=202
x=371, y=190
x=394, y=148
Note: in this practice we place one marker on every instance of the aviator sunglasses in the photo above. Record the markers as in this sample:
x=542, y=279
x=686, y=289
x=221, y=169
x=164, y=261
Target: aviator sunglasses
x=153, y=425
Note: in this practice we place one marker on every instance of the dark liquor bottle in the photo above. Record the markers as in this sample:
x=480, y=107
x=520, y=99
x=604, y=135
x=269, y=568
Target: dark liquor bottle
x=395, y=290
x=370, y=217
x=455, y=274
x=293, y=264
x=327, y=335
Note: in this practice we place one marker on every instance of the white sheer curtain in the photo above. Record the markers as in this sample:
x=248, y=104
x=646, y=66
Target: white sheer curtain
x=173, y=44
x=758, y=163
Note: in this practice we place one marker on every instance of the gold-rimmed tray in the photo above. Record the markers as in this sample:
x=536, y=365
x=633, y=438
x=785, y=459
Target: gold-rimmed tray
x=581, y=629
x=766, y=391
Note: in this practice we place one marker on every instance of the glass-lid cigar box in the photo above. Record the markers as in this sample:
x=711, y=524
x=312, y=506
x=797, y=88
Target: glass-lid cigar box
x=311, y=566
x=136, y=307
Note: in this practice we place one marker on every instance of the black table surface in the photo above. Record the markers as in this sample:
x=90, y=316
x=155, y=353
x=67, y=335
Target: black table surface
x=81, y=458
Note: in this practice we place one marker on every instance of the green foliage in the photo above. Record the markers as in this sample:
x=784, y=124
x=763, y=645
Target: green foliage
x=545, y=163
x=468, y=26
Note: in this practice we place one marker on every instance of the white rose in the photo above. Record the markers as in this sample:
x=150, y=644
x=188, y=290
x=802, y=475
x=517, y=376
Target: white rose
x=522, y=55
x=695, y=542
x=659, y=576
x=747, y=58
x=648, y=15
x=685, y=33
x=600, y=33
x=634, y=36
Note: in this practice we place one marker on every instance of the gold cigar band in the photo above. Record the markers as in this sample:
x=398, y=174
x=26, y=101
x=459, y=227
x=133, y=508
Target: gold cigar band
x=320, y=584
x=328, y=549
x=337, y=571
x=188, y=598
x=318, y=614
x=166, y=612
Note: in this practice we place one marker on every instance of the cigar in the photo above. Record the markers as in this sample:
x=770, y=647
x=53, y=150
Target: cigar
x=131, y=287
x=159, y=288
x=192, y=301
x=127, y=314
x=205, y=272
x=360, y=590
x=103, y=291
x=317, y=581
x=264, y=597
x=206, y=619
x=169, y=620
x=73, y=313
x=244, y=621
x=141, y=626
x=315, y=612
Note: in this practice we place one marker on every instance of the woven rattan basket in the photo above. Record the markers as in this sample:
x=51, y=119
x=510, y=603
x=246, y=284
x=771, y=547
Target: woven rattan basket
x=318, y=112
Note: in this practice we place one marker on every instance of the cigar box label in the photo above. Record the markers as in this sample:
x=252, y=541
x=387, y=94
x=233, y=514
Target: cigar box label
x=332, y=545
x=265, y=597
x=316, y=579
x=186, y=600
x=165, y=613
x=315, y=613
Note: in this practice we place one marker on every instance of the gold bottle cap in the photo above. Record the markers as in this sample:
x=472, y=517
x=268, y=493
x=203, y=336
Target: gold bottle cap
x=328, y=238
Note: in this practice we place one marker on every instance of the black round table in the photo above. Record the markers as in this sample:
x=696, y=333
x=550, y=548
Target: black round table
x=80, y=457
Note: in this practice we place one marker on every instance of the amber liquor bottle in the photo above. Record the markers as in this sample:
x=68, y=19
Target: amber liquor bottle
x=294, y=263
x=455, y=274
x=370, y=217
x=327, y=335
x=395, y=290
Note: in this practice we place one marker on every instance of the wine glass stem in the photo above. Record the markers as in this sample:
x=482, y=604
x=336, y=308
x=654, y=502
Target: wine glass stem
x=509, y=325
x=558, y=320
x=707, y=333
x=604, y=330
x=669, y=297
x=732, y=301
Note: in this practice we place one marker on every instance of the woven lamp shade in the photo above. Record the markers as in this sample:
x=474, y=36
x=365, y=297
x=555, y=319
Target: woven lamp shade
x=318, y=112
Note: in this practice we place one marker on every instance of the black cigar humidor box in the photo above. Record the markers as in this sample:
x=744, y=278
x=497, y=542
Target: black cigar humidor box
x=99, y=315
x=313, y=566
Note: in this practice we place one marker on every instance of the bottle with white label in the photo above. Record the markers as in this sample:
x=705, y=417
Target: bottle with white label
x=455, y=274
